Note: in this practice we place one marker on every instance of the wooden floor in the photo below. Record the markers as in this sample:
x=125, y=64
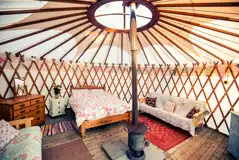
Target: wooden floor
x=96, y=137
x=206, y=145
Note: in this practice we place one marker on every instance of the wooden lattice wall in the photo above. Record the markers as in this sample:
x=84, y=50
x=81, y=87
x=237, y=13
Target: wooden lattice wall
x=204, y=82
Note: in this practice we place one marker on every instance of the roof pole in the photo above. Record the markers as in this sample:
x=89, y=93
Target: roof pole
x=133, y=38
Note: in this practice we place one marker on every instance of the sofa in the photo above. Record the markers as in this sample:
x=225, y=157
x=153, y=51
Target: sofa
x=27, y=145
x=178, y=117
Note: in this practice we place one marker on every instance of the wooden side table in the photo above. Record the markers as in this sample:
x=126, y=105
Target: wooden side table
x=57, y=107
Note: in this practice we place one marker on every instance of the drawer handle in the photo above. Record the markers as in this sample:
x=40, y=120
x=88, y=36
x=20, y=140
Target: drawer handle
x=22, y=111
x=22, y=105
x=38, y=112
x=37, y=106
x=38, y=118
x=59, y=107
x=59, y=112
x=23, y=117
x=37, y=101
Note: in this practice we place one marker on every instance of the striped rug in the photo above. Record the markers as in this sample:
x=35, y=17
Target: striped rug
x=58, y=127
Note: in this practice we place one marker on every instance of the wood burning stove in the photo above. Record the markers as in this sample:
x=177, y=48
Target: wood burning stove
x=136, y=141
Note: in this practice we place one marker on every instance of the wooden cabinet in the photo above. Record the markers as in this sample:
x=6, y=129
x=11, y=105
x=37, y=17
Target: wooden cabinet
x=23, y=107
x=233, y=144
x=57, y=106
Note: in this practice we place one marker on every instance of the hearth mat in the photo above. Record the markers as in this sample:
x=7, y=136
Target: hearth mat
x=117, y=151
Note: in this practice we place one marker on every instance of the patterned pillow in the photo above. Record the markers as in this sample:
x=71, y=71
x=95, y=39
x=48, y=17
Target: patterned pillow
x=151, y=101
x=7, y=133
x=192, y=112
x=169, y=106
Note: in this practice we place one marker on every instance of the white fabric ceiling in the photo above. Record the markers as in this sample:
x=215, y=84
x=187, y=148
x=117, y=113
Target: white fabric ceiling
x=210, y=33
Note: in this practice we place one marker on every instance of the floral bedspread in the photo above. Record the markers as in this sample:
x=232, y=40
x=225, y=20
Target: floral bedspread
x=92, y=107
x=26, y=146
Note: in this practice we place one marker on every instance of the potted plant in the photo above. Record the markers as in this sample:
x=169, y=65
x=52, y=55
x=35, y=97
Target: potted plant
x=57, y=91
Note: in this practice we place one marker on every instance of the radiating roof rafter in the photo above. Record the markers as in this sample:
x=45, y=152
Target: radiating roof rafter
x=169, y=32
x=42, y=10
x=108, y=52
x=78, y=43
x=153, y=47
x=77, y=60
x=40, y=21
x=67, y=40
x=106, y=35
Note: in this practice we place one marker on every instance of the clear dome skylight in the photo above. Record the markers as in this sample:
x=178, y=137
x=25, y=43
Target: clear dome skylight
x=112, y=15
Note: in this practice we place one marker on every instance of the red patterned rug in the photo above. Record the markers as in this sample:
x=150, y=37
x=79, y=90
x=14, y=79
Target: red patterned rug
x=161, y=134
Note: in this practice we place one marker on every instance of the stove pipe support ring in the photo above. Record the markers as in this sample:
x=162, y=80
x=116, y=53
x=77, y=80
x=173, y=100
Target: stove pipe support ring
x=133, y=38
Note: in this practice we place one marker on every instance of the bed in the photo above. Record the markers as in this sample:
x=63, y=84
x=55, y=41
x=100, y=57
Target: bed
x=93, y=107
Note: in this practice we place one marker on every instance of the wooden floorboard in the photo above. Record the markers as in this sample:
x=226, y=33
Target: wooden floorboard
x=211, y=149
x=207, y=144
x=217, y=154
x=189, y=149
x=96, y=137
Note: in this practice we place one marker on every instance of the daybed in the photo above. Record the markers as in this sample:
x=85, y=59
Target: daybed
x=178, y=116
x=26, y=145
x=93, y=107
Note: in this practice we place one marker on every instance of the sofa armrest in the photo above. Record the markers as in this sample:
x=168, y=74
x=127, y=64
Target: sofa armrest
x=198, y=114
x=142, y=100
x=198, y=118
x=26, y=122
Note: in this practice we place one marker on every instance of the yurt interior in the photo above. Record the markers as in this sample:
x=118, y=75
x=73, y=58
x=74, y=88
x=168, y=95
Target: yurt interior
x=119, y=80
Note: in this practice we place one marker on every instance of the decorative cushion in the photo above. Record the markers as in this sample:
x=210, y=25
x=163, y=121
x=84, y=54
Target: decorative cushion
x=151, y=101
x=161, y=99
x=170, y=106
x=192, y=112
x=7, y=133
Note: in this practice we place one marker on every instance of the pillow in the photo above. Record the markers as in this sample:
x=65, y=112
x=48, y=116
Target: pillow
x=80, y=92
x=183, y=109
x=169, y=106
x=97, y=92
x=192, y=112
x=151, y=101
x=7, y=133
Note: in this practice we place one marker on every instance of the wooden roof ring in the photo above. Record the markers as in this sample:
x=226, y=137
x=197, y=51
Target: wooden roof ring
x=95, y=6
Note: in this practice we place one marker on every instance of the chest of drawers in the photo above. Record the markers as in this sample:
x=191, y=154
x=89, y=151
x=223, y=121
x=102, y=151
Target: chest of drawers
x=23, y=107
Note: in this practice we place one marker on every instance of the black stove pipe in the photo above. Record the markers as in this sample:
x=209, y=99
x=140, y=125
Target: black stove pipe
x=133, y=38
